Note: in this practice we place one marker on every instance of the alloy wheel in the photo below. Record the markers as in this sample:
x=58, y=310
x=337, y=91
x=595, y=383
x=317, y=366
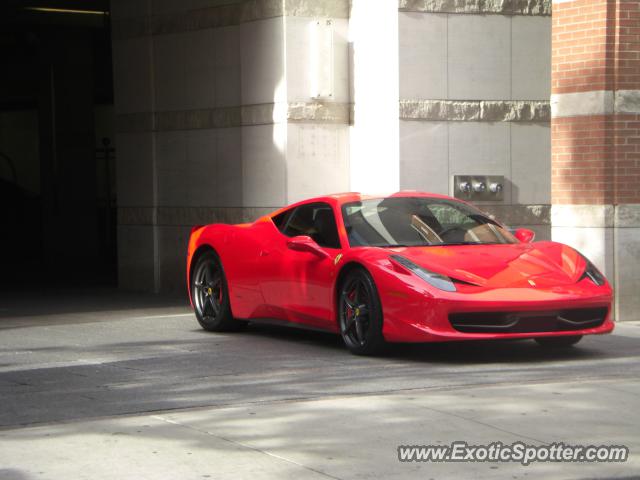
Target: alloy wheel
x=209, y=292
x=356, y=308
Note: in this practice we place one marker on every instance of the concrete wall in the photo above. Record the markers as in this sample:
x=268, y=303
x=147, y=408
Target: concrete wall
x=474, y=92
x=317, y=130
x=217, y=122
x=221, y=117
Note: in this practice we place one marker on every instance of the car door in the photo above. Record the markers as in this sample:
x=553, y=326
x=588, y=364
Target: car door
x=243, y=263
x=300, y=286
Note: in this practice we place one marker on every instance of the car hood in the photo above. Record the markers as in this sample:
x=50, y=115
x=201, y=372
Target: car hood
x=540, y=264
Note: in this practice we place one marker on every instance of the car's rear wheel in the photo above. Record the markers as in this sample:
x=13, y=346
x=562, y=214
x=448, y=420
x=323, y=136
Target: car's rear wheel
x=210, y=295
x=360, y=313
x=559, y=342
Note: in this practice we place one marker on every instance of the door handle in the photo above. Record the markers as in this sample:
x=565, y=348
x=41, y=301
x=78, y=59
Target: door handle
x=264, y=253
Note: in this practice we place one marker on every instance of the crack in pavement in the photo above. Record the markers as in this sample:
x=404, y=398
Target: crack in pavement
x=478, y=422
x=244, y=445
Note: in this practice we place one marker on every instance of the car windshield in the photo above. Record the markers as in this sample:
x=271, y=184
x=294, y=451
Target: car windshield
x=419, y=221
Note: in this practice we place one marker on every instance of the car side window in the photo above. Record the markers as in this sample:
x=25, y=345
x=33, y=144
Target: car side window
x=315, y=220
x=280, y=220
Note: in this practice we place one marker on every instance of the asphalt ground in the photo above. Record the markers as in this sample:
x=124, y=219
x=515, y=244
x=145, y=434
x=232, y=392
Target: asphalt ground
x=101, y=384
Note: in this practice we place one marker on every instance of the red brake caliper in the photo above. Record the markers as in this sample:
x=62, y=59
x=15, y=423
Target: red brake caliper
x=351, y=296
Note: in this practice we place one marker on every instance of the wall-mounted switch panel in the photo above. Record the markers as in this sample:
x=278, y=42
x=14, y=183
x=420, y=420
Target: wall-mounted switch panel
x=478, y=188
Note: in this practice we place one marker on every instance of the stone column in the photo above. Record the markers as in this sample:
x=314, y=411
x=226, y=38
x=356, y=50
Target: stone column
x=375, y=150
x=596, y=138
x=136, y=176
x=315, y=131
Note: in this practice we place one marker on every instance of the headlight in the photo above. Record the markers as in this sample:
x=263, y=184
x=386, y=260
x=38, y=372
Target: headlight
x=592, y=273
x=434, y=279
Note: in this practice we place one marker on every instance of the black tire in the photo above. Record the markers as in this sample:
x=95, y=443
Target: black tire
x=210, y=295
x=360, y=313
x=559, y=342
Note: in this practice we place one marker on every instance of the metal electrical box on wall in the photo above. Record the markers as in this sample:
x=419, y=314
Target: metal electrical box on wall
x=478, y=188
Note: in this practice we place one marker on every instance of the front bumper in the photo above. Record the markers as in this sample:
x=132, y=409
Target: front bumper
x=423, y=317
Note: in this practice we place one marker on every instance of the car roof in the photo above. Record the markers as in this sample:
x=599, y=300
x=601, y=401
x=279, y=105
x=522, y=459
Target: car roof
x=348, y=197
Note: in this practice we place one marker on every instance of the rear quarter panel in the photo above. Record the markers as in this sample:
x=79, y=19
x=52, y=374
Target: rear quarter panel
x=238, y=247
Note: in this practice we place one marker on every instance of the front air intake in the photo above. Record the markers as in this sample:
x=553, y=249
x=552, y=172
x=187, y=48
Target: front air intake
x=528, y=322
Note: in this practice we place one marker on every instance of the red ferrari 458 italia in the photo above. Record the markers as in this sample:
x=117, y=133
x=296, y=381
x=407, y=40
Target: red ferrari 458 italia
x=410, y=267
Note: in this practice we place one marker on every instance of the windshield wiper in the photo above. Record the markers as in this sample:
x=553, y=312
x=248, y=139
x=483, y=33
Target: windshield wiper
x=400, y=245
x=468, y=243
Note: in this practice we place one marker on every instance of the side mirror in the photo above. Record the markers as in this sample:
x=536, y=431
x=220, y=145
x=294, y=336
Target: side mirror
x=304, y=243
x=525, y=235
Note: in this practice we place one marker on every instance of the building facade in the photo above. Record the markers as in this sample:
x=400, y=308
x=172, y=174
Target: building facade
x=596, y=138
x=229, y=109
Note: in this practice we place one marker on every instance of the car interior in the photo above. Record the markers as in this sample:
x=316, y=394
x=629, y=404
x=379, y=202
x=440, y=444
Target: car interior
x=314, y=220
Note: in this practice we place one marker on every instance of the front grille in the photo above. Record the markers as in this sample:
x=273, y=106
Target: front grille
x=528, y=322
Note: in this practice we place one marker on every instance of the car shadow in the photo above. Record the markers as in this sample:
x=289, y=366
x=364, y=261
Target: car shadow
x=461, y=352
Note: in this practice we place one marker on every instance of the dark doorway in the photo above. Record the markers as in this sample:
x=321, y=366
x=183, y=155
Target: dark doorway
x=57, y=145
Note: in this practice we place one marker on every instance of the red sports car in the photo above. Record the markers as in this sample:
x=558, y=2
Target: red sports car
x=410, y=267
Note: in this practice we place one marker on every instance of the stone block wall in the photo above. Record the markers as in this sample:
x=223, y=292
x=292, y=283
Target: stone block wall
x=474, y=99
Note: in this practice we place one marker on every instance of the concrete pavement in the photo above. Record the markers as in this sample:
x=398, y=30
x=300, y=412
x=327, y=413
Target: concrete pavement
x=139, y=391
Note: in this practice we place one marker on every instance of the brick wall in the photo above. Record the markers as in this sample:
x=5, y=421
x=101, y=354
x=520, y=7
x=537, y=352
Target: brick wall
x=581, y=54
x=595, y=51
x=627, y=39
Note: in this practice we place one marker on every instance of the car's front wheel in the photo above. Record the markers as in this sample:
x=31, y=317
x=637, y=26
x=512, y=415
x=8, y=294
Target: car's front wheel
x=210, y=295
x=360, y=313
x=559, y=342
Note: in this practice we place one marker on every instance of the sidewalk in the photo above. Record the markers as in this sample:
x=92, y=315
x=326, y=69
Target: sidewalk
x=342, y=437
x=121, y=386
